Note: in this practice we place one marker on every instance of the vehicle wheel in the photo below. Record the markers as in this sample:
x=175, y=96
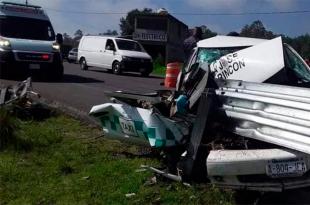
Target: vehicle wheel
x=83, y=64
x=116, y=68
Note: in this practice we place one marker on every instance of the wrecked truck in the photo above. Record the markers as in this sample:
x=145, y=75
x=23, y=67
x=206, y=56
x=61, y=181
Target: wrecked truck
x=234, y=119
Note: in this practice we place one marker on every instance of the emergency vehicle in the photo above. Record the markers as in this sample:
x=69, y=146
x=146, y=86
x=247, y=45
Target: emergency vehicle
x=28, y=42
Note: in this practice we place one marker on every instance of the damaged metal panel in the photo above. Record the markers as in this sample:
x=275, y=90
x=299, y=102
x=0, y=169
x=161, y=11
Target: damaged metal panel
x=275, y=114
x=11, y=94
x=254, y=64
x=249, y=162
x=138, y=125
x=279, y=185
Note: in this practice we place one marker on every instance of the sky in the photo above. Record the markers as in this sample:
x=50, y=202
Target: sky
x=64, y=20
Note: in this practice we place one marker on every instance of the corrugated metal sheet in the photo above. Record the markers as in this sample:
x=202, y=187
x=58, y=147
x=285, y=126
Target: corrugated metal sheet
x=275, y=114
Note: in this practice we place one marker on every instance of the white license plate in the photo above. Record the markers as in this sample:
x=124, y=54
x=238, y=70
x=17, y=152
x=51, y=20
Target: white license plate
x=286, y=168
x=34, y=66
x=128, y=127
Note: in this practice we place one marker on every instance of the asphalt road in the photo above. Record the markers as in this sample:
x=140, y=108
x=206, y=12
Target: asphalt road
x=83, y=89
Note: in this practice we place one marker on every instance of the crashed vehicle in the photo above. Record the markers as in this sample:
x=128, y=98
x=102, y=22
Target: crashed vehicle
x=232, y=121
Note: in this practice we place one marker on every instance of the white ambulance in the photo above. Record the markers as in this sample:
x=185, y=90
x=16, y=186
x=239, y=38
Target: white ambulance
x=28, y=43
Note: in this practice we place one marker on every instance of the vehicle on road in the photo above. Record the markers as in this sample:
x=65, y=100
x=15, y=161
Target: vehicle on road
x=28, y=43
x=72, y=56
x=116, y=54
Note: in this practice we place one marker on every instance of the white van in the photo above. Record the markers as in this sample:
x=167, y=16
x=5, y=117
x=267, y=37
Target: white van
x=117, y=54
x=28, y=42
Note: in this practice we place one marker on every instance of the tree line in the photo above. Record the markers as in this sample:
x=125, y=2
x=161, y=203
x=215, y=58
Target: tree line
x=255, y=30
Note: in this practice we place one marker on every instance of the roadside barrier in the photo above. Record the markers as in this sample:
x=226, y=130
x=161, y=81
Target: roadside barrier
x=172, y=72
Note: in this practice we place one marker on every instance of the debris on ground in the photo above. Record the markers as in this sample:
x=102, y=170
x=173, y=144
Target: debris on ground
x=130, y=195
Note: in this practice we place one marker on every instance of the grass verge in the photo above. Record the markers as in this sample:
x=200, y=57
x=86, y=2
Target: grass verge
x=64, y=162
x=159, y=69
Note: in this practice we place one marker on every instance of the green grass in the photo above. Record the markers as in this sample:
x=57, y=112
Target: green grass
x=159, y=69
x=60, y=161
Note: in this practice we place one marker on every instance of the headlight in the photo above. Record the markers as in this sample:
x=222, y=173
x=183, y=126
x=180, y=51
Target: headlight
x=56, y=46
x=126, y=58
x=5, y=44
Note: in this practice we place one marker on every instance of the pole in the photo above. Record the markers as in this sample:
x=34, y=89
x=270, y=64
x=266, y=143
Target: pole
x=26, y=2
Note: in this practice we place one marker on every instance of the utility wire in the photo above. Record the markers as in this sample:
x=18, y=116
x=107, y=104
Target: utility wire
x=186, y=13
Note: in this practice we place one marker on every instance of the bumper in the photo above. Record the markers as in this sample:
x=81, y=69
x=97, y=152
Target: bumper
x=72, y=58
x=247, y=169
x=9, y=61
x=137, y=65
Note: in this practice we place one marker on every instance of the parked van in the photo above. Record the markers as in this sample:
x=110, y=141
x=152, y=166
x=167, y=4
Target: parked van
x=28, y=42
x=113, y=53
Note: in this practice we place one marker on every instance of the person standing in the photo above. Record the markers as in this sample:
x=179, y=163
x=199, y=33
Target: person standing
x=191, y=42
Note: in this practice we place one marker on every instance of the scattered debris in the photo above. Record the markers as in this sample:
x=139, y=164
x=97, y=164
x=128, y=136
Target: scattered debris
x=13, y=94
x=140, y=170
x=86, y=178
x=130, y=195
x=151, y=181
x=163, y=173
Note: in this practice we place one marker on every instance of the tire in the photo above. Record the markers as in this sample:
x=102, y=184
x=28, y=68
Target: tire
x=116, y=68
x=83, y=64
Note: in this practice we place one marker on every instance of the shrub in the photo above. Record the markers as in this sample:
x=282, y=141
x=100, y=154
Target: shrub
x=8, y=126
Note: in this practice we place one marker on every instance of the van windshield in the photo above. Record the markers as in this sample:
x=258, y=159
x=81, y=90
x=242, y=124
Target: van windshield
x=212, y=54
x=296, y=63
x=128, y=45
x=26, y=28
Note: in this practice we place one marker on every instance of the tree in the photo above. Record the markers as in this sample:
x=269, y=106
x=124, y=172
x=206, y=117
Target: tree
x=127, y=23
x=67, y=39
x=109, y=33
x=206, y=32
x=256, y=30
x=78, y=35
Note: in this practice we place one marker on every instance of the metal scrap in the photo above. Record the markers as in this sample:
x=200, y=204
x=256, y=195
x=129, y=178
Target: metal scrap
x=19, y=92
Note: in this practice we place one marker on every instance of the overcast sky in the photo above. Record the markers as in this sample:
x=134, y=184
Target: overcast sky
x=289, y=24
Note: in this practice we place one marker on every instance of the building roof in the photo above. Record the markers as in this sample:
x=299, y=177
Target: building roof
x=169, y=16
x=228, y=41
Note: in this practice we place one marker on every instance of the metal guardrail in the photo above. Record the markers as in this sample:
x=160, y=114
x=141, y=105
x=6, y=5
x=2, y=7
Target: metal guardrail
x=271, y=113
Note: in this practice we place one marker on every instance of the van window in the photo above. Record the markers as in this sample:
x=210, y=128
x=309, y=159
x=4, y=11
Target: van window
x=129, y=45
x=110, y=45
x=26, y=28
x=299, y=68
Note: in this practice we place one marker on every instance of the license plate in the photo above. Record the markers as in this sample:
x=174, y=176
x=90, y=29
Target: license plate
x=128, y=127
x=286, y=168
x=34, y=66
